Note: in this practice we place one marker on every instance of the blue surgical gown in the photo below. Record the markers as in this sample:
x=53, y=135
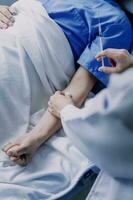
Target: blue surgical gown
x=79, y=19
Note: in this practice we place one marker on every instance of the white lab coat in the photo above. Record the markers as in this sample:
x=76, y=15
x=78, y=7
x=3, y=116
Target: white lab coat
x=103, y=131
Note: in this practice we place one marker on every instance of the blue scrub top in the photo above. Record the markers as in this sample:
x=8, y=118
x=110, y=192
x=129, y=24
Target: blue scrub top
x=79, y=20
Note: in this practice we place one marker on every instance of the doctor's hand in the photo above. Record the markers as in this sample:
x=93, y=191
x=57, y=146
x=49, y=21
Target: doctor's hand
x=7, y=16
x=59, y=101
x=120, y=60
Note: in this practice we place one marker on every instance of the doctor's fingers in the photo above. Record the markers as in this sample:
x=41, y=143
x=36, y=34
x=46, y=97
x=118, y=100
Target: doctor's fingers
x=50, y=107
x=59, y=92
x=49, y=104
x=110, y=70
x=116, y=54
x=50, y=110
x=53, y=99
x=110, y=53
x=53, y=112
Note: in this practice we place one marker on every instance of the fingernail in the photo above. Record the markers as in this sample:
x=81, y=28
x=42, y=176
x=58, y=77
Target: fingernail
x=5, y=26
x=10, y=24
x=13, y=10
x=100, y=69
x=9, y=153
x=12, y=19
x=14, y=13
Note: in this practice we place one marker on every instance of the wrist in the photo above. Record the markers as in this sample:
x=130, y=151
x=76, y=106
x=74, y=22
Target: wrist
x=38, y=136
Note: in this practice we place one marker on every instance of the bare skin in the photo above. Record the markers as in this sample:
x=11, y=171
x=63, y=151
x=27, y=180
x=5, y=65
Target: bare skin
x=22, y=150
x=120, y=60
x=58, y=102
x=7, y=16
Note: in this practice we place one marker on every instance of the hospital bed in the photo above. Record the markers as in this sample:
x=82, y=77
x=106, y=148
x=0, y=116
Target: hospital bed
x=84, y=185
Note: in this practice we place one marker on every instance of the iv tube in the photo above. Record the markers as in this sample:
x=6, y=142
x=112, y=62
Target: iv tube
x=100, y=35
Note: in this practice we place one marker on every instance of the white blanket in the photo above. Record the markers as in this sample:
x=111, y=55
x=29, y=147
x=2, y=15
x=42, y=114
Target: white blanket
x=35, y=60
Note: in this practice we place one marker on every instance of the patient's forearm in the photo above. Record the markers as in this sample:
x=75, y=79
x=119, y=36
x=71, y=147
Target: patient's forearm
x=79, y=88
x=81, y=84
x=46, y=127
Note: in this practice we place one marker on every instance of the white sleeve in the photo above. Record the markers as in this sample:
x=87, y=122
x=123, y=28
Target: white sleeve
x=103, y=130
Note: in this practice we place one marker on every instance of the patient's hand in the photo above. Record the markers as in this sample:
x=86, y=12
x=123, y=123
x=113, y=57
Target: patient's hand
x=6, y=16
x=59, y=101
x=22, y=150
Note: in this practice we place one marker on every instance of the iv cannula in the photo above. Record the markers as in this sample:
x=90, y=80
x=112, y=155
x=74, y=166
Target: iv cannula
x=100, y=36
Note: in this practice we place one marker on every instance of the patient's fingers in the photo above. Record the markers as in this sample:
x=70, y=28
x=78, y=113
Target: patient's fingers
x=3, y=25
x=6, y=12
x=8, y=146
x=13, y=10
x=14, y=159
x=23, y=160
x=17, y=150
x=4, y=19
